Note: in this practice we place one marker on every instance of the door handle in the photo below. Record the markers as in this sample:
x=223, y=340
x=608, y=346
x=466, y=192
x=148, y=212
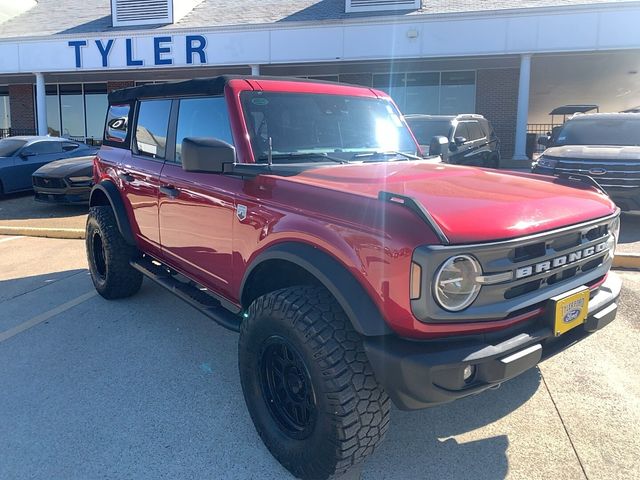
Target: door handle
x=169, y=191
x=126, y=177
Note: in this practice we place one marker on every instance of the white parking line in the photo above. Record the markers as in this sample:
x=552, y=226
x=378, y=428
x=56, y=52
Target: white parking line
x=43, y=317
x=8, y=239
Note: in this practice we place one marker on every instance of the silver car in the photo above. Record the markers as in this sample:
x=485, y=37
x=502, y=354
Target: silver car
x=21, y=156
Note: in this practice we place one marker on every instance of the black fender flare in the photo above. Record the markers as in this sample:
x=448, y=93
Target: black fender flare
x=349, y=293
x=110, y=190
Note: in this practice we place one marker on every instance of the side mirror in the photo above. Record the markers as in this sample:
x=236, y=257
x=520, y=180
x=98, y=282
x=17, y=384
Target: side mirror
x=460, y=140
x=544, y=141
x=206, y=155
x=26, y=154
x=439, y=145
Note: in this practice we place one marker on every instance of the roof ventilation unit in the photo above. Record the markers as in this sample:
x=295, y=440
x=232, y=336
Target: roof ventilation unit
x=125, y=13
x=353, y=6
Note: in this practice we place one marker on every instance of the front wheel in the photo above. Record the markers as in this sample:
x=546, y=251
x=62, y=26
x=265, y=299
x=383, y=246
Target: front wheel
x=308, y=385
x=108, y=255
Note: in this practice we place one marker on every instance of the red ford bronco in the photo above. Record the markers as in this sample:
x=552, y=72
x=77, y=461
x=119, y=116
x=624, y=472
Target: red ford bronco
x=301, y=214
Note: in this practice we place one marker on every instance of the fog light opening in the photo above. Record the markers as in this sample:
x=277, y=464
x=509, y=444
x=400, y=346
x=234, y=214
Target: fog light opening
x=468, y=373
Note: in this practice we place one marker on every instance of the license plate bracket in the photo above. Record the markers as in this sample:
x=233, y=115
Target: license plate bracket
x=569, y=310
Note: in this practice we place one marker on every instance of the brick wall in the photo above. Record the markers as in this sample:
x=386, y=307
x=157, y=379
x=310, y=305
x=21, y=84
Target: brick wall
x=497, y=100
x=111, y=86
x=21, y=104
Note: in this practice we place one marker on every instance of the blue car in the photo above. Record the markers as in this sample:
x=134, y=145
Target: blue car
x=21, y=156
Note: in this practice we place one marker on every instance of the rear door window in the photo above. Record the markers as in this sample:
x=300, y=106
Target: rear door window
x=202, y=117
x=151, y=127
x=43, y=148
x=117, y=125
x=475, y=132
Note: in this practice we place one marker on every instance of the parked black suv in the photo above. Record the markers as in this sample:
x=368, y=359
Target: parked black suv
x=605, y=146
x=471, y=138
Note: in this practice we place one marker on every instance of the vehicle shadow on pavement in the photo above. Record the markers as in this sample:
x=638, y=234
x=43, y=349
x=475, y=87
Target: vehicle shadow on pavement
x=419, y=443
x=14, y=287
x=146, y=388
x=22, y=206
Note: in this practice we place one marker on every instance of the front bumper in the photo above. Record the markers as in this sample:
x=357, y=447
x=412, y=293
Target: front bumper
x=423, y=374
x=79, y=195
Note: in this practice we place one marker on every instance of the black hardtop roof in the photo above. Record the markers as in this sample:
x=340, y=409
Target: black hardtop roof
x=570, y=109
x=196, y=86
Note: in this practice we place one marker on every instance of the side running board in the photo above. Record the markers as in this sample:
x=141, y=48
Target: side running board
x=189, y=292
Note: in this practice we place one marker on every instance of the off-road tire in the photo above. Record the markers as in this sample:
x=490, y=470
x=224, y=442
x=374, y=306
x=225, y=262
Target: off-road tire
x=351, y=407
x=108, y=255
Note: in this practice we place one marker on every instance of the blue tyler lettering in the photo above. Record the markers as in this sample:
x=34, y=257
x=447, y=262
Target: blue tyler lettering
x=104, y=51
x=77, y=44
x=158, y=50
x=196, y=44
x=130, y=60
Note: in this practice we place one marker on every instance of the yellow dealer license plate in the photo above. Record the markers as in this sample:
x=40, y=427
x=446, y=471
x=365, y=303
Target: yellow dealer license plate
x=571, y=310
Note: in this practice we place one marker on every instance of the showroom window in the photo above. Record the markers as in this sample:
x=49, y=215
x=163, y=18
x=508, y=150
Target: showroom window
x=5, y=112
x=76, y=110
x=435, y=93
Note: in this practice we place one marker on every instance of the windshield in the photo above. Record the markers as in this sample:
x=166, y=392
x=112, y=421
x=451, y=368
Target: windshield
x=600, y=131
x=9, y=146
x=308, y=125
x=425, y=130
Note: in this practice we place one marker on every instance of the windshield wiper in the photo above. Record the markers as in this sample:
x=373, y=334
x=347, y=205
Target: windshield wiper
x=306, y=155
x=408, y=156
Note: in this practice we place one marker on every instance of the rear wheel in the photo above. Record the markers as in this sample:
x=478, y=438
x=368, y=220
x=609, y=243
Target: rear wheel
x=308, y=385
x=108, y=255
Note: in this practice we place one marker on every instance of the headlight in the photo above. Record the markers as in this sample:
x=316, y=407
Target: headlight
x=545, y=162
x=455, y=285
x=82, y=179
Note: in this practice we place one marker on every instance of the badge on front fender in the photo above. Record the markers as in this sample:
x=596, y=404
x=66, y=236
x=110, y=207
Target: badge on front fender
x=241, y=212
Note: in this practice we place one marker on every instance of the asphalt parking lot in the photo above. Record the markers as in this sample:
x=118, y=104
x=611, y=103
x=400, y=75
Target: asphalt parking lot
x=148, y=388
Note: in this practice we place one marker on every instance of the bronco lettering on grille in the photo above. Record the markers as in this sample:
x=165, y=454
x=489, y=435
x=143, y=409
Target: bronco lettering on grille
x=549, y=265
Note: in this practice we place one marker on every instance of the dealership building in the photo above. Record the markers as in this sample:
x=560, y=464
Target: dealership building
x=511, y=61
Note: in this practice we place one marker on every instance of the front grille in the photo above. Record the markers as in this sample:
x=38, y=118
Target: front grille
x=576, y=252
x=47, y=182
x=609, y=174
x=541, y=266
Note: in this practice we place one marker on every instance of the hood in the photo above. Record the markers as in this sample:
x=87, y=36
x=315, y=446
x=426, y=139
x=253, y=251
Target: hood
x=594, y=152
x=68, y=166
x=470, y=204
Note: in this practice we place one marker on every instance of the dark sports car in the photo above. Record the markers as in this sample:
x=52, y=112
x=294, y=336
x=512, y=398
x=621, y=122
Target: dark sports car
x=21, y=156
x=64, y=181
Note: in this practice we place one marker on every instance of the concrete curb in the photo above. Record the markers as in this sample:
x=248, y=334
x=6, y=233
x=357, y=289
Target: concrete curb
x=67, y=233
x=627, y=260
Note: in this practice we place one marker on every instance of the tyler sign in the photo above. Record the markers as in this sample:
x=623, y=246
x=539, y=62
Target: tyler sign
x=193, y=47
